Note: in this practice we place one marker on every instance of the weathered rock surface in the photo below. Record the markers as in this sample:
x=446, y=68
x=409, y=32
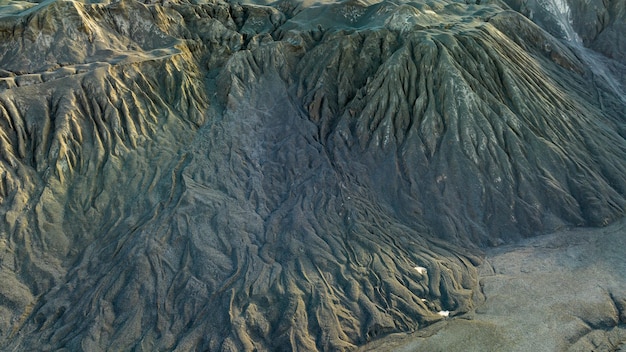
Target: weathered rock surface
x=217, y=176
x=597, y=24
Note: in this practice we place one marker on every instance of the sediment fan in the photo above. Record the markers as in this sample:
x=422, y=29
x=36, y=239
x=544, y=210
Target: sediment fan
x=293, y=176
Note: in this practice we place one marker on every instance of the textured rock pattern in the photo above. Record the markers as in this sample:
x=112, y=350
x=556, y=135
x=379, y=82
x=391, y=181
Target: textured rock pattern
x=215, y=176
x=597, y=24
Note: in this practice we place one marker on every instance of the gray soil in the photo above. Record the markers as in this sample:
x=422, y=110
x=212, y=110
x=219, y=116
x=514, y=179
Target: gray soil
x=560, y=292
x=307, y=175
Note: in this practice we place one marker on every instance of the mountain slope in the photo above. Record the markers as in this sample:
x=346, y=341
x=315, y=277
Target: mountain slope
x=235, y=177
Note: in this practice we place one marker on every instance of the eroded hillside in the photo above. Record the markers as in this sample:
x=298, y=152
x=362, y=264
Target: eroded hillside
x=217, y=176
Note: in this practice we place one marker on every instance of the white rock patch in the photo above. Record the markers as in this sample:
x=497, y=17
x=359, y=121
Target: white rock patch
x=421, y=270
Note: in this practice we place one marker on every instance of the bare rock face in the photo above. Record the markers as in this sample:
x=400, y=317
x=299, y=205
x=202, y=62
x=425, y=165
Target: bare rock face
x=217, y=176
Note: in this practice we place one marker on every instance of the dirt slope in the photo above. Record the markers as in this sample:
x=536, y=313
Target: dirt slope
x=293, y=176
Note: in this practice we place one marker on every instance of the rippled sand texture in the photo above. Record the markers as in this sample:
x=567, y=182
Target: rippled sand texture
x=300, y=176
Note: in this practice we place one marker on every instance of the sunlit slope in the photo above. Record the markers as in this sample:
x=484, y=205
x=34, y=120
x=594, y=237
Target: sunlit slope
x=86, y=142
x=230, y=177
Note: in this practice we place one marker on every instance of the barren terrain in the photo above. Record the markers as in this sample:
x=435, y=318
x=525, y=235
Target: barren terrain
x=211, y=175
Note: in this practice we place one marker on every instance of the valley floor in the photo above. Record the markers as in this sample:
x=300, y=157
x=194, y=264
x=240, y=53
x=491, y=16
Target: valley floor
x=560, y=292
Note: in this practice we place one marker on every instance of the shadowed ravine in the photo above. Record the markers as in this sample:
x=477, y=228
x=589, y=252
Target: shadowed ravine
x=289, y=176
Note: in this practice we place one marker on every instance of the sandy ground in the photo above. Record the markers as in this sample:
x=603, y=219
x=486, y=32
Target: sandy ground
x=560, y=292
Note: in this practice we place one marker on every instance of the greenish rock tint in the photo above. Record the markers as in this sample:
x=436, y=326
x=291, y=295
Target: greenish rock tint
x=286, y=176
